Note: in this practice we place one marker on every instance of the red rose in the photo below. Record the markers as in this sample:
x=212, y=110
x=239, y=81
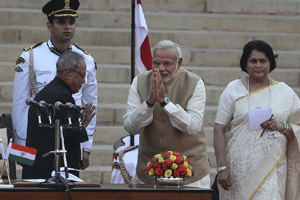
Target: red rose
x=168, y=154
x=153, y=159
x=163, y=153
x=176, y=154
x=184, y=172
x=181, y=168
x=150, y=166
x=176, y=173
x=147, y=171
x=159, y=172
x=169, y=162
x=157, y=165
x=164, y=167
x=189, y=162
x=179, y=160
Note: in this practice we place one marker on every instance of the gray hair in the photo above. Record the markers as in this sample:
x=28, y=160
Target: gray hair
x=68, y=60
x=166, y=44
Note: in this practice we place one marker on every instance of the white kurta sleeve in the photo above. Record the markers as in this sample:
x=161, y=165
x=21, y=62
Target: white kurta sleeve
x=138, y=115
x=190, y=120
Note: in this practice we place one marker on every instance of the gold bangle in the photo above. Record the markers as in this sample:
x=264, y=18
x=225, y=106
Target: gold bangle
x=286, y=126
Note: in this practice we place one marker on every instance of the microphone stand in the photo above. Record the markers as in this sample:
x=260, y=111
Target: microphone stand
x=58, y=181
x=64, y=149
x=38, y=113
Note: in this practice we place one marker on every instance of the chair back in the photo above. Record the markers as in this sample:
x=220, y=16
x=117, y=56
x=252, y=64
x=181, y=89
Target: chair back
x=6, y=133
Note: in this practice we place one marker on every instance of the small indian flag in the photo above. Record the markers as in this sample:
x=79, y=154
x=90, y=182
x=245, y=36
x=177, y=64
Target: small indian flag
x=21, y=154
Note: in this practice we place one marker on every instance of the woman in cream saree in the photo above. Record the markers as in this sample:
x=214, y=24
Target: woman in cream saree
x=251, y=166
x=258, y=166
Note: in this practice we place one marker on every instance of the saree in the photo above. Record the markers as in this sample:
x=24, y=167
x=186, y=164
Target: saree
x=258, y=166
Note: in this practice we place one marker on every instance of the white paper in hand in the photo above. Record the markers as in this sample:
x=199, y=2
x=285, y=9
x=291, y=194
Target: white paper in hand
x=258, y=116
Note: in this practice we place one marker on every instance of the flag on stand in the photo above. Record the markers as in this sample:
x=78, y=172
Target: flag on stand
x=144, y=57
x=2, y=152
x=21, y=154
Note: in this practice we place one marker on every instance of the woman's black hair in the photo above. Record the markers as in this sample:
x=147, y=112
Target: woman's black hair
x=261, y=46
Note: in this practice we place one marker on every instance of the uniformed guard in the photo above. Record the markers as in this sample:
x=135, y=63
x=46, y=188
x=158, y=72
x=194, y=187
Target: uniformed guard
x=36, y=67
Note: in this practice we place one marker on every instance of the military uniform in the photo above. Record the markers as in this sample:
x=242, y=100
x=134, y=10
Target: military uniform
x=44, y=59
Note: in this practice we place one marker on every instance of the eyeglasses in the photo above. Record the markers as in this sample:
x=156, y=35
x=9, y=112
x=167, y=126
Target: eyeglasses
x=166, y=63
x=81, y=74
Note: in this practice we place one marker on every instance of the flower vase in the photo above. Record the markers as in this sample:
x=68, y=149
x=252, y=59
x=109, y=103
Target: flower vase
x=170, y=181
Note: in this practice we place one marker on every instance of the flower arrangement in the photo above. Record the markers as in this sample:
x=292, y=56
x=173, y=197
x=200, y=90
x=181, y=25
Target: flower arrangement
x=169, y=165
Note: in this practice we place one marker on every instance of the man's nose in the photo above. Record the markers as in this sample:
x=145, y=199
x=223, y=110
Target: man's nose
x=67, y=25
x=161, y=67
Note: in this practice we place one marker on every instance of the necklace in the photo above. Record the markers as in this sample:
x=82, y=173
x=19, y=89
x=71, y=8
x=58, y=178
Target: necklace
x=249, y=92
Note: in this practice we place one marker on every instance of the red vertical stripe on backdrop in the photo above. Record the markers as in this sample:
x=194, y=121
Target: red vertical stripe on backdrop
x=144, y=57
x=146, y=54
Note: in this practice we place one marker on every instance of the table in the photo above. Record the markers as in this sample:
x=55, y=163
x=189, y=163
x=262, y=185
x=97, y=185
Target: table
x=85, y=191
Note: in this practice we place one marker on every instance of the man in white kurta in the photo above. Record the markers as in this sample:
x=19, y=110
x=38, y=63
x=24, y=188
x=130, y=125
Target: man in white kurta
x=166, y=107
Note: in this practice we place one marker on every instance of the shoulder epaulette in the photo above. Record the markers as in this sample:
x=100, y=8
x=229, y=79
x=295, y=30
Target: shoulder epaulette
x=83, y=50
x=33, y=46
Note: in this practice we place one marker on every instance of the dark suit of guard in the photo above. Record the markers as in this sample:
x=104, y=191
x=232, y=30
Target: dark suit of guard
x=43, y=139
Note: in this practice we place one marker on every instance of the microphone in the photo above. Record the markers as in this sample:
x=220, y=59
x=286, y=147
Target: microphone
x=75, y=106
x=58, y=105
x=32, y=102
x=29, y=101
x=45, y=104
